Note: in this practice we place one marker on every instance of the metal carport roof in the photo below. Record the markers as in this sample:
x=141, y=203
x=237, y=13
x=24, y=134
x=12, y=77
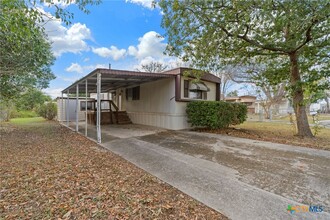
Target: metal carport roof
x=112, y=79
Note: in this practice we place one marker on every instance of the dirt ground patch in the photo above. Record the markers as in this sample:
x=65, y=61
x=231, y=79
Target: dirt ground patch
x=48, y=171
x=277, y=132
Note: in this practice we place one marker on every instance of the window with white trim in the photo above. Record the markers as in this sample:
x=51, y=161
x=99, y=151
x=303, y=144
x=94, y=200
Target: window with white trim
x=195, y=90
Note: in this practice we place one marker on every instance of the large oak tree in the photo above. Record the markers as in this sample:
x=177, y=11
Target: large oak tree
x=25, y=51
x=229, y=32
x=24, y=47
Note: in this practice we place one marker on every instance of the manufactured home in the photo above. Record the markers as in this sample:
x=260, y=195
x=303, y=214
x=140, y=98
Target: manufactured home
x=248, y=100
x=155, y=99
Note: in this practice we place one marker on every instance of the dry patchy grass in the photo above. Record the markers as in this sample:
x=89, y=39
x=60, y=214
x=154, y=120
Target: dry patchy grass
x=278, y=132
x=50, y=172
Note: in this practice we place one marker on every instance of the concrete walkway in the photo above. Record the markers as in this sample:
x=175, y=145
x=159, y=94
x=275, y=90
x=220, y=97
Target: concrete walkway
x=241, y=178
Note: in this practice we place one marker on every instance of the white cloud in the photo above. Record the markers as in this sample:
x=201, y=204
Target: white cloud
x=148, y=60
x=56, y=92
x=145, y=61
x=68, y=79
x=151, y=44
x=145, y=3
x=151, y=48
x=169, y=62
x=75, y=67
x=67, y=40
x=93, y=67
x=113, y=52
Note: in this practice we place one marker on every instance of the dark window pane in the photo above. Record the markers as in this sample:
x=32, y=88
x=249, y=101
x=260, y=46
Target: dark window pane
x=83, y=105
x=136, y=93
x=129, y=94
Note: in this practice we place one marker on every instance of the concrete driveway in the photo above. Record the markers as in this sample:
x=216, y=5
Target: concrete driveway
x=241, y=178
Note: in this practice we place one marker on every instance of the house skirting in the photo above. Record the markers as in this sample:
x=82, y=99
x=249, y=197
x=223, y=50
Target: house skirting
x=162, y=120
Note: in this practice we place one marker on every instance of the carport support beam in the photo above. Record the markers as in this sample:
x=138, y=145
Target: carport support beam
x=86, y=90
x=67, y=107
x=62, y=109
x=98, y=110
x=77, y=107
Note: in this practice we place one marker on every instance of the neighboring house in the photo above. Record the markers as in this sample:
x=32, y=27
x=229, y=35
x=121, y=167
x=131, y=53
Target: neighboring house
x=156, y=99
x=248, y=100
x=285, y=106
x=320, y=106
x=282, y=108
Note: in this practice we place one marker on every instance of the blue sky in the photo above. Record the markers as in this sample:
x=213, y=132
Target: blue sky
x=123, y=33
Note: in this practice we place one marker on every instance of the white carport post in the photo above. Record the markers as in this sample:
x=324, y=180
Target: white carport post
x=62, y=109
x=77, y=107
x=67, y=107
x=86, y=91
x=98, y=111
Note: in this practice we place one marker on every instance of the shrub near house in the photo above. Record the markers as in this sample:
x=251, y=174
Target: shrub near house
x=215, y=114
x=48, y=110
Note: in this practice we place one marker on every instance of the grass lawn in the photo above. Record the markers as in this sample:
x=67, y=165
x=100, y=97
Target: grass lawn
x=49, y=172
x=320, y=117
x=24, y=114
x=278, y=132
x=25, y=121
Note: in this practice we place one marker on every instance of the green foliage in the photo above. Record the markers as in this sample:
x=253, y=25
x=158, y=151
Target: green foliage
x=31, y=99
x=26, y=54
x=232, y=93
x=317, y=126
x=25, y=51
x=215, y=114
x=212, y=31
x=48, y=110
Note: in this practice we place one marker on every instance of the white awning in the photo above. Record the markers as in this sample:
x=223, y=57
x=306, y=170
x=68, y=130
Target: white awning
x=199, y=87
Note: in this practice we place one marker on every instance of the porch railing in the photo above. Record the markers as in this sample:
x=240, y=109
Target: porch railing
x=111, y=103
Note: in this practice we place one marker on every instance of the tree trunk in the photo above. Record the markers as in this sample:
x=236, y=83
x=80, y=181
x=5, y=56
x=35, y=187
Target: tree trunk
x=298, y=99
x=328, y=105
x=266, y=108
x=267, y=111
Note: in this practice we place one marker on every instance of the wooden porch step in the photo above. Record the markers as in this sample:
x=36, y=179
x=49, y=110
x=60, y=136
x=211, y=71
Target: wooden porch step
x=123, y=117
